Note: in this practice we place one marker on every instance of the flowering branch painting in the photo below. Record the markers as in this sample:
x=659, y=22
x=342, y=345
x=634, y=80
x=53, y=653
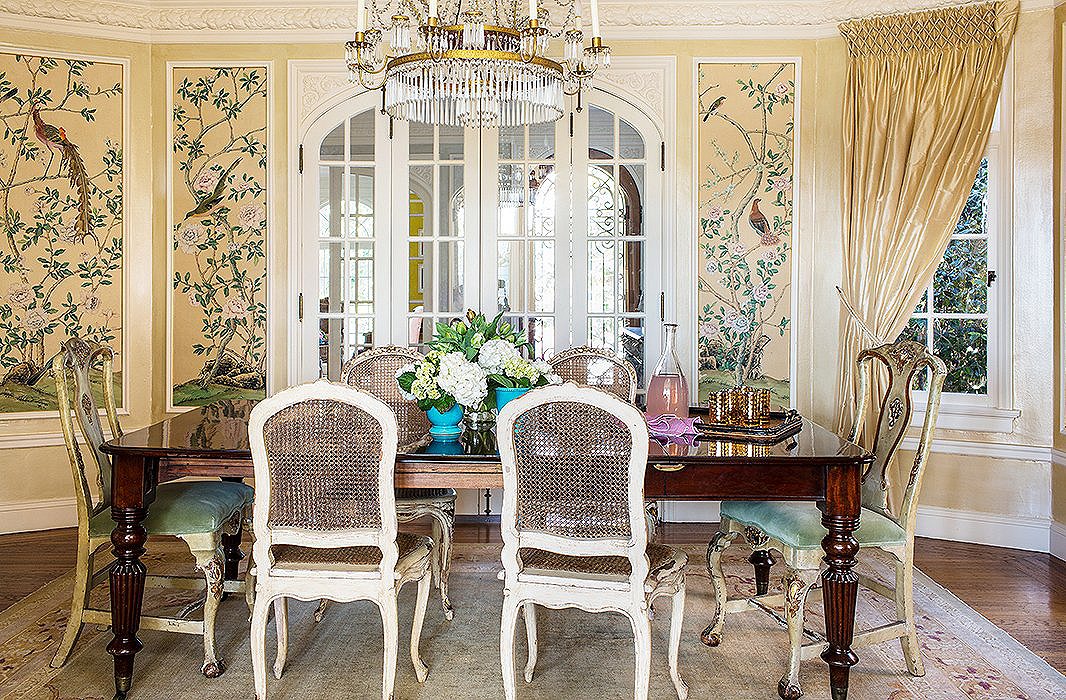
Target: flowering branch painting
x=61, y=214
x=219, y=219
x=745, y=200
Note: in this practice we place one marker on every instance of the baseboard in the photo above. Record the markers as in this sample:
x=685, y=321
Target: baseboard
x=689, y=511
x=30, y=516
x=1058, y=540
x=1016, y=532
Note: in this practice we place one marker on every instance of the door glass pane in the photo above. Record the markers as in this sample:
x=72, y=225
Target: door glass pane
x=362, y=136
x=332, y=147
x=512, y=142
x=416, y=276
x=449, y=265
x=631, y=209
x=542, y=141
x=631, y=281
x=451, y=143
x=510, y=275
x=601, y=134
x=602, y=271
x=543, y=275
x=361, y=278
x=451, y=199
x=630, y=142
x=330, y=187
x=602, y=201
x=330, y=269
x=540, y=331
x=542, y=198
x=361, y=203
x=421, y=141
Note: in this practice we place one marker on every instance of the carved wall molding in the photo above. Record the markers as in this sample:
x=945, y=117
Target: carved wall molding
x=645, y=87
x=282, y=20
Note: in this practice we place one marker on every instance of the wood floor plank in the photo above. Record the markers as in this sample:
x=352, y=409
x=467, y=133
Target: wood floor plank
x=1022, y=592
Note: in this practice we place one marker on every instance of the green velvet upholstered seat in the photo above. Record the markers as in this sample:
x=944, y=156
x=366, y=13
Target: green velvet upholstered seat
x=185, y=508
x=799, y=525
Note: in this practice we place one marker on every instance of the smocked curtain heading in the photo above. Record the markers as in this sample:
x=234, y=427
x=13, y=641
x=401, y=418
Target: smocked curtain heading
x=920, y=98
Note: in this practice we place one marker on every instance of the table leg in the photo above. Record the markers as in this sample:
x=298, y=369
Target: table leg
x=127, y=592
x=231, y=545
x=840, y=516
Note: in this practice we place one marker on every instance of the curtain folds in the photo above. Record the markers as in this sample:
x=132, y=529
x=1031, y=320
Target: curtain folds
x=920, y=98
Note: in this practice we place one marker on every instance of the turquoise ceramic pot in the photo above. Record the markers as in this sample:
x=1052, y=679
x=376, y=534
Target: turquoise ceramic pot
x=445, y=425
x=505, y=396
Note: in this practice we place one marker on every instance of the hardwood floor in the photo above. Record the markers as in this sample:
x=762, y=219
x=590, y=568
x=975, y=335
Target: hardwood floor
x=1024, y=593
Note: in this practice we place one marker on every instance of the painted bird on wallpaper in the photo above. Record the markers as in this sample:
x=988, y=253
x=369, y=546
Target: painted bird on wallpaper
x=215, y=197
x=713, y=108
x=762, y=227
x=55, y=138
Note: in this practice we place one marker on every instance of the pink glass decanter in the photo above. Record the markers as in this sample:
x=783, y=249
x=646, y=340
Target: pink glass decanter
x=668, y=390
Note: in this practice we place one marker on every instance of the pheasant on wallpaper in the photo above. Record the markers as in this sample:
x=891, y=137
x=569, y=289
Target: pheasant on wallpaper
x=762, y=227
x=213, y=198
x=55, y=138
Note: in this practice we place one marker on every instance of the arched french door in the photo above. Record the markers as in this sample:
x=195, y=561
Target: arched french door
x=405, y=225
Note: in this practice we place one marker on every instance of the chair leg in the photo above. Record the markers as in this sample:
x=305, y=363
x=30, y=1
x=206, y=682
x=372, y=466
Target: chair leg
x=508, y=622
x=905, y=611
x=677, y=618
x=281, y=622
x=443, y=528
x=797, y=584
x=712, y=635
x=78, y=603
x=529, y=610
x=320, y=612
x=762, y=560
x=389, y=625
x=258, y=640
x=211, y=564
x=642, y=643
x=424, y=584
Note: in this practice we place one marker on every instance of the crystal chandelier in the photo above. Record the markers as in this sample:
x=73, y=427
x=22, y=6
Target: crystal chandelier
x=477, y=63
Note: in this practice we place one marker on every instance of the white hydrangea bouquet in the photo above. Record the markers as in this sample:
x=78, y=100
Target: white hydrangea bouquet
x=468, y=360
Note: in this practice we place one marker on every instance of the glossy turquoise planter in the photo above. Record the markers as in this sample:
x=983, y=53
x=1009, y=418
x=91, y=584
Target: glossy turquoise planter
x=445, y=426
x=505, y=396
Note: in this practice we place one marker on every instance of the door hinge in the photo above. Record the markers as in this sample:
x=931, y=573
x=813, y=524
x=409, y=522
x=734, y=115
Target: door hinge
x=662, y=160
x=300, y=306
x=571, y=125
x=301, y=159
x=392, y=128
x=991, y=277
x=662, y=306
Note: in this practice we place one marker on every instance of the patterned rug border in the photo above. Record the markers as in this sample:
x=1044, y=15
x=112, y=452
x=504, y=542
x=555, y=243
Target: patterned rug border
x=478, y=558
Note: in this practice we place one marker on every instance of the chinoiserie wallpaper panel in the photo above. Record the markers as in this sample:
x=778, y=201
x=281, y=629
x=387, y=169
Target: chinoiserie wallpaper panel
x=61, y=199
x=218, y=220
x=745, y=160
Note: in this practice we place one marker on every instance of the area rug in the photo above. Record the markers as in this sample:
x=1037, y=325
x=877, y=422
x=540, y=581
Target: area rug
x=581, y=655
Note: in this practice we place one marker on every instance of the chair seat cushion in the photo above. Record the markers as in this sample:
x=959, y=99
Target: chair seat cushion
x=412, y=549
x=664, y=560
x=799, y=525
x=186, y=508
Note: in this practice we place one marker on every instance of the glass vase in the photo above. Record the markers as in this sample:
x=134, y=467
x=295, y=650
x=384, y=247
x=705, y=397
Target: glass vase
x=668, y=389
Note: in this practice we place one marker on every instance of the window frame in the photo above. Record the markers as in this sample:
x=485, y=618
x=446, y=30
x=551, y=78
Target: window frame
x=992, y=412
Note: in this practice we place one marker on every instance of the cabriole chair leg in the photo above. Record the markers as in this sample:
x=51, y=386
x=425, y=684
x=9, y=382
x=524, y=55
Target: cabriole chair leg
x=78, y=603
x=797, y=584
x=712, y=635
x=677, y=618
x=529, y=611
x=210, y=562
x=905, y=611
x=281, y=622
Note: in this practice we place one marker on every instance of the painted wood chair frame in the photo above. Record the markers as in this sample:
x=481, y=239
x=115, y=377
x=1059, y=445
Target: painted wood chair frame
x=71, y=369
x=378, y=582
x=632, y=594
x=903, y=360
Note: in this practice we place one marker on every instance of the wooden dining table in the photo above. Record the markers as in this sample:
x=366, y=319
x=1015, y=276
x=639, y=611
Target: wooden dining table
x=212, y=441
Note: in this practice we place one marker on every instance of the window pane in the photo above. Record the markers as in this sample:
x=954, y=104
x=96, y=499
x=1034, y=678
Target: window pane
x=633, y=345
x=416, y=275
x=631, y=284
x=631, y=186
x=603, y=210
x=603, y=267
x=541, y=332
x=361, y=203
x=963, y=345
x=512, y=142
x=923, y=304
x=960, y=285
x=451, y=196
x=543, y=277
x=542, y=141
x=451, y=143
x=974, y=218
x=917, y=330
x=361, y=279
x=450, y=276
x=421, y=136
x=601, y=134
x=330, y=191
x=542, y=198
x=362, y=136
x=510, y=275
x=603, y=333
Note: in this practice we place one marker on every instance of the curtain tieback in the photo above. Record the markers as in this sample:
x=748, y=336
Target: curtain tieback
x=873, y=337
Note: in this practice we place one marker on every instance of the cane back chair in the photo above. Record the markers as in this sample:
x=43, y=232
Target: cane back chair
x=573, y=522
x=198, y=512
x=374, y=371
x=599, y=368
x=324, y=458
x=795, y=529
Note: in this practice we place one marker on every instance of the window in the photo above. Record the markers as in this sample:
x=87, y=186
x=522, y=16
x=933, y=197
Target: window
x=964, y=316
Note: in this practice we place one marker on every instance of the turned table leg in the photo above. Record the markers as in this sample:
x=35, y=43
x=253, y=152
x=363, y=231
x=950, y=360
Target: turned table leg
x=840, y=584
x=231, y=546
x=127, y=593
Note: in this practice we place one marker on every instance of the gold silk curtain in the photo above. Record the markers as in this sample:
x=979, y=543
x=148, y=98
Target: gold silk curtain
x=921, y=95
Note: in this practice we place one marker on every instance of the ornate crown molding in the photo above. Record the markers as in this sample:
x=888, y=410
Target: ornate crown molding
x=327, y=20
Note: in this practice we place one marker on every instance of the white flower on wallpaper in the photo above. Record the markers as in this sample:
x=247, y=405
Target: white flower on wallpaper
x=219, y=214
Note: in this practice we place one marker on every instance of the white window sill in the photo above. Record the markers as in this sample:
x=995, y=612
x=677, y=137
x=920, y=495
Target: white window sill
x=969, y=417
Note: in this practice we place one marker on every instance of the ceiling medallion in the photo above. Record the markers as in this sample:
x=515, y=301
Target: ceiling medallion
x=476, y=63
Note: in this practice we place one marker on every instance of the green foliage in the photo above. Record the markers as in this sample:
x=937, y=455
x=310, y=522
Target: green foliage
x=468, y=336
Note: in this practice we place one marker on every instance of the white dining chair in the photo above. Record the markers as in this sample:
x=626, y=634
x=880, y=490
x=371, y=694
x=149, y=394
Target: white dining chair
x=325, y=517
x=573, y=522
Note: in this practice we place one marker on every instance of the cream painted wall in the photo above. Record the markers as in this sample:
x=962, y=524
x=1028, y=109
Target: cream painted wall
x=1058, y=481
x=977, y=484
